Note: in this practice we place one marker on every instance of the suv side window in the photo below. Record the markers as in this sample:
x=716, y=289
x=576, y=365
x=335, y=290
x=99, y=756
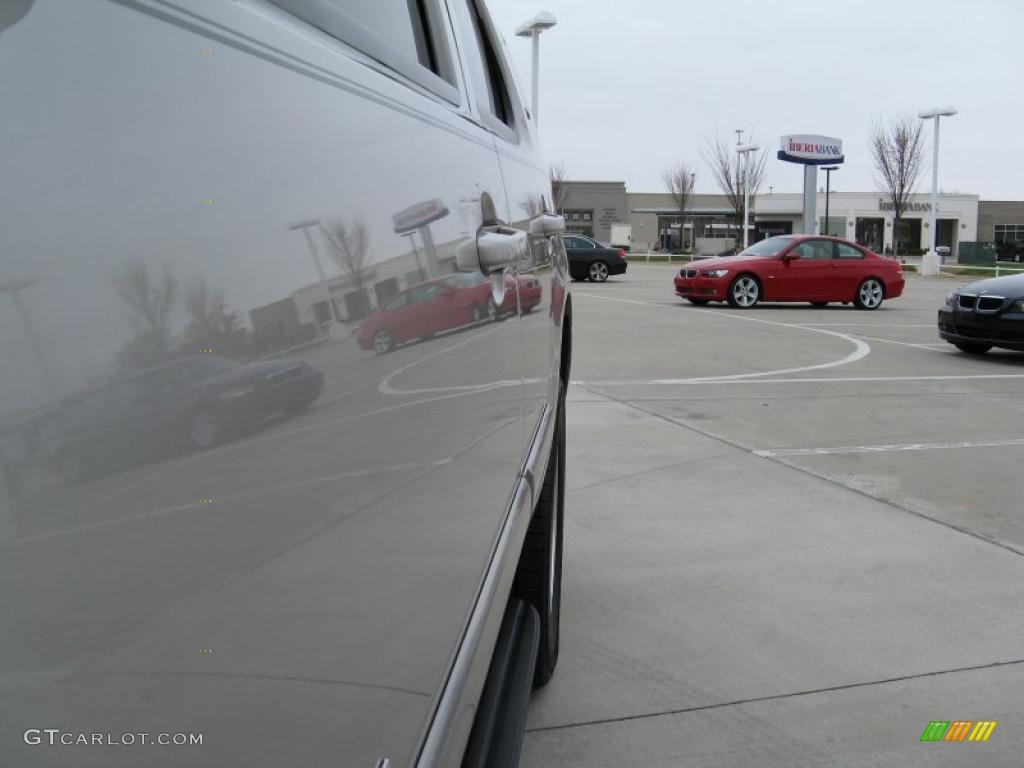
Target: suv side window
x=844, y=251
x=404, y=35
x=484, y=64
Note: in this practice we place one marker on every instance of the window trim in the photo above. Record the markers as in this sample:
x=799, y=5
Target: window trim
x=334, y=22
x=466, y=27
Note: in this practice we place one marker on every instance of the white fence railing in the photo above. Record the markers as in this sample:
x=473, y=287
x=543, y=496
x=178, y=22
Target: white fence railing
x=961, y=270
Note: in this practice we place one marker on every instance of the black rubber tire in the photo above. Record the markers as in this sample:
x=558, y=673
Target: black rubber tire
x=598, y=271
x=819, y=304
x=203, y=440
x=387, y=341
x=539, y=576
x=698, y=302
x=859, y=303
x=732, y=300
x=972, y=349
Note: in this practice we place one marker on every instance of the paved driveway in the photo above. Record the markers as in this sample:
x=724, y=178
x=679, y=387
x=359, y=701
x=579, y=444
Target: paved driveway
x=794, y=537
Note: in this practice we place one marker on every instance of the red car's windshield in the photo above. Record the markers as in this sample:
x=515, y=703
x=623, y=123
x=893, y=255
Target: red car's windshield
x=771, y=246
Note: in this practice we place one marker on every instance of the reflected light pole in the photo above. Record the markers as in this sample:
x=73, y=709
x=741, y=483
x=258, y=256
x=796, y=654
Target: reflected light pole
x=532, y=29
x=15, y=287
x=930, y=263
x=745, y=150
x=304, y=226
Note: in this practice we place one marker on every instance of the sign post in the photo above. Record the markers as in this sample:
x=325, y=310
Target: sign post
x=810, y=151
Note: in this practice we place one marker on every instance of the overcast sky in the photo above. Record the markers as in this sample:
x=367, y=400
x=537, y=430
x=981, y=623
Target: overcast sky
x=629, y=88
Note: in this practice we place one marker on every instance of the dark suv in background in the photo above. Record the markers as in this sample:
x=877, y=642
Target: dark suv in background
x=375, y=583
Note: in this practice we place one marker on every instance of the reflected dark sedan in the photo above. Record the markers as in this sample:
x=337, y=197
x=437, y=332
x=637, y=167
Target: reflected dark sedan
x=195, y=402
x=985, y=314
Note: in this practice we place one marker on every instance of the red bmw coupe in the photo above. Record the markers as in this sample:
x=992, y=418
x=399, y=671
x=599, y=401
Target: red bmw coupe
x=794, y=268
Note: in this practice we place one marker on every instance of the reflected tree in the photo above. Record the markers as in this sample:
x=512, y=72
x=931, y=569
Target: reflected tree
x=211, y=325
x=349, y=246
x=148, y=298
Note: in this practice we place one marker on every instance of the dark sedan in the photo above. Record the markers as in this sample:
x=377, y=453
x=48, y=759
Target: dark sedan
x=591, y=260
x=985, y=314
x=195, y=402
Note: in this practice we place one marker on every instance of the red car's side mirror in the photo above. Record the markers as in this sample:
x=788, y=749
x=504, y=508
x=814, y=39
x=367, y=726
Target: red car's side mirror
x=790, y=256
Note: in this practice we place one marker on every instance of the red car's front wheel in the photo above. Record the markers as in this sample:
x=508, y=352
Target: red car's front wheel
x=744, y=292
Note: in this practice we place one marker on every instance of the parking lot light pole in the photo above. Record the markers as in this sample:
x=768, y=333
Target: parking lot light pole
x=745, y=150
x=532, y=29
x=930, y=263
x=828, y=189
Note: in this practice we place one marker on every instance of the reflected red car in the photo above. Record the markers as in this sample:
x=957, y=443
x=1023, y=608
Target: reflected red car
x=440, y=304
x=807, y=268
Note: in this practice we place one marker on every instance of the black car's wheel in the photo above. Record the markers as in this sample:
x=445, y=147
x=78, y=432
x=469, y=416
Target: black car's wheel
x=598, y=272
x=205, y=429
x=539, y=578
x=698, y=302
x=869, y=294
x=744, y=292
x=972, y=348
x=383, y=342
x=819, y=304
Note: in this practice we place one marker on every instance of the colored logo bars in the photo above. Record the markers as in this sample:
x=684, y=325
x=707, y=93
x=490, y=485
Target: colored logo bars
x=958, y=730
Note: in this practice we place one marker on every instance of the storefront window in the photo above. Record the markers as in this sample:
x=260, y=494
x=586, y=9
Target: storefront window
x=1008, y=233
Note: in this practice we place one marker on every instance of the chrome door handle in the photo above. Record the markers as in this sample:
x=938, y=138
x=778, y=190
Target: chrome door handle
x=547, y=225
x=493, y=248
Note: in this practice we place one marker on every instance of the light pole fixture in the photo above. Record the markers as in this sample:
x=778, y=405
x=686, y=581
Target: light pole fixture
x=304, y=226
x=828, y=188
x=532, y=29
x=745, y=150
x=930, y=262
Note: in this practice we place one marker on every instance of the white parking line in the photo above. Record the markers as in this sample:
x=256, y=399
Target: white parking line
x=944, y=347
x=821, y=380
x=861, y=350
x=776, y=452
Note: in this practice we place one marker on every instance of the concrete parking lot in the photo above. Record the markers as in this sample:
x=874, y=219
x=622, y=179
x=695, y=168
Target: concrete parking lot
x=794, y=537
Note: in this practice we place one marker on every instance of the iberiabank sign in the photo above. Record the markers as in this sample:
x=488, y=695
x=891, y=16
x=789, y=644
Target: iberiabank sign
x=810, y=149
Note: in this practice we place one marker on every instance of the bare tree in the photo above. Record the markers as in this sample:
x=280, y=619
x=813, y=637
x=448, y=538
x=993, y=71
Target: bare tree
x=559, y=187
x=211, y=324
x=349, y=246
x=731, y=172
x=679, y=180
x=149, y=301
x=897, y=152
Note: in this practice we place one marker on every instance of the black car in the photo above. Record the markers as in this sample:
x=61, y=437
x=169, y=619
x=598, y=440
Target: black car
x=191, y=403
x=985, y=314
x=1010, y=250
x=591, y=260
